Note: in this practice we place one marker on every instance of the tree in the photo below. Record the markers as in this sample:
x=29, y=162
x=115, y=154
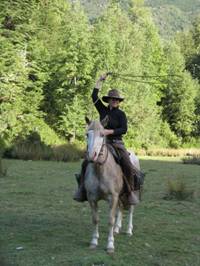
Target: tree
x=20, y=96
x=189, y=43
x=178, y=101
x=70, y=63
x=129, y=44
x=21, y=78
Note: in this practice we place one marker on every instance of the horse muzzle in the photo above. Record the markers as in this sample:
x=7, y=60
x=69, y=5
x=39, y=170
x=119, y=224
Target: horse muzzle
x=92, y=157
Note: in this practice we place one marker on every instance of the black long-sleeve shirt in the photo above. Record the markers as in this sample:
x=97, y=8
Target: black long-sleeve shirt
x=117, y=118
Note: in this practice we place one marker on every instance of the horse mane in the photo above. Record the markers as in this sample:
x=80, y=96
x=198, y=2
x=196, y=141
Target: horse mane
x=95, y=125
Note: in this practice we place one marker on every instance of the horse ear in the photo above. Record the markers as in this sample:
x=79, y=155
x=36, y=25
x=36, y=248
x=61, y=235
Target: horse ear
x=87, y=120
x=104, y=121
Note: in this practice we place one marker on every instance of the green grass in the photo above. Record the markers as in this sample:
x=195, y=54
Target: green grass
x=38, y=214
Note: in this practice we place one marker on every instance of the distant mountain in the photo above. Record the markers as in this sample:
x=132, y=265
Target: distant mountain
x=184, y=5
x=94, y=7
x=169, y=15
x=173, y=15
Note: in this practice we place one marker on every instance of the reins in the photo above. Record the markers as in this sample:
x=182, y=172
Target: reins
x=101, y=152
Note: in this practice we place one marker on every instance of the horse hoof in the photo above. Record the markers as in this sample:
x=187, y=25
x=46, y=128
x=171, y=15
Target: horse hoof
x=110, y=251
x=116, y=231
x=129, y=232
x=93, y=246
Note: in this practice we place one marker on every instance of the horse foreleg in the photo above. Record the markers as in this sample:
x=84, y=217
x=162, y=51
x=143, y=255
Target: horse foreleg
x=95, y=220
x=130, y=221
x=113, y=206
x=118, y=223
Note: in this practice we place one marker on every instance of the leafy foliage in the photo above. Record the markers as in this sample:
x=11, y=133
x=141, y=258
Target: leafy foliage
x=170, y=16
x=189, y=42
x=178, y=98
x=182, y=4
x=51, y=55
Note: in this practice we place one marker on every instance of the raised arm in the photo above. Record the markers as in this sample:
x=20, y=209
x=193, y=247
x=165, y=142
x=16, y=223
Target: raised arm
x=97, y=102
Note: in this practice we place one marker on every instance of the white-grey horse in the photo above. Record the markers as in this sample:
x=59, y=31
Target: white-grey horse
x=104, y=181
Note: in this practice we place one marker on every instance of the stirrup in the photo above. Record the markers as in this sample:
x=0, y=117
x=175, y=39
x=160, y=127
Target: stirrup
x=141, y=178
x=80, y=195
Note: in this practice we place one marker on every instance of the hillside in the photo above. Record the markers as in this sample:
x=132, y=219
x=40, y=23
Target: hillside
x=173, y=15
x=94, y=7
x=169, y=15
x=184, y=5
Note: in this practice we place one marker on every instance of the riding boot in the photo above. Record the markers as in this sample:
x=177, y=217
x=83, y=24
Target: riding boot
x=132, y=198
x=80, y=195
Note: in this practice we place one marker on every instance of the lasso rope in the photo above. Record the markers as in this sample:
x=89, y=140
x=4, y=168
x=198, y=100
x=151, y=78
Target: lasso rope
x=130, y=77
x=134, y=78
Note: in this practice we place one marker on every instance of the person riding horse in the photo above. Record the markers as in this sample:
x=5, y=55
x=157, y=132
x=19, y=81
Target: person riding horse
x=114, y=131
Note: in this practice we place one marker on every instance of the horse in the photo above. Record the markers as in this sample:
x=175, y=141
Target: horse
x=104, y=181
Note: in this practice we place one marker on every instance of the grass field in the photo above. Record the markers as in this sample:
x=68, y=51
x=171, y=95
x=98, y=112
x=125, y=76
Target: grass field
x=41, y=225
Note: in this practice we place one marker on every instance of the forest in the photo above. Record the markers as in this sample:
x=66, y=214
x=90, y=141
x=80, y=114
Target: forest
x=169, y=16
x=52, y=53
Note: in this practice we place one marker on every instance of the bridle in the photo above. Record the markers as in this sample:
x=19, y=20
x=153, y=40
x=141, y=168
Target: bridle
x=104, y=145
x=101, y=153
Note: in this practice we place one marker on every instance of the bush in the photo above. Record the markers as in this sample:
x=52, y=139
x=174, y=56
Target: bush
x=169, y=137
x=195, y=159
x=67, y=152
x=32, y=148
x=47, y=134
x=191, y=142
x=168, y=152
x=176, y=189
x=31, y=151
x=3, y=171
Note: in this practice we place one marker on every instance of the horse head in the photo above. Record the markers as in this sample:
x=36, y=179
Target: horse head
x=95, y=138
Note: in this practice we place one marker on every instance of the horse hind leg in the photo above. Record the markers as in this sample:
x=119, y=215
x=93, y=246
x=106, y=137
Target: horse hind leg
x=95, y=220
x=130, y=221
x=113, y=207
x=118, y=223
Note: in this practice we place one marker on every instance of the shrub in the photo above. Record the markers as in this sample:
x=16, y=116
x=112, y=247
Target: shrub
x=3, y=170
x=47, y=134
x=169, y=137
x=191, y=142
x=195, y=159
x=33, y=148
x=67, y=152
x=168, y=152
x=176, y=189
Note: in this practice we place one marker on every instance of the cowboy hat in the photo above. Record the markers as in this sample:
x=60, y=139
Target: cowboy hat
x=112, y=94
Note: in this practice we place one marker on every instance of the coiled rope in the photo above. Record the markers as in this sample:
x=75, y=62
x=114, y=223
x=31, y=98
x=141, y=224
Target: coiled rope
x=133, y=78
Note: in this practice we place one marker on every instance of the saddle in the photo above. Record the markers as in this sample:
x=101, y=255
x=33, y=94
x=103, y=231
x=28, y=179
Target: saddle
x=138, y=178
x=114, y=152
